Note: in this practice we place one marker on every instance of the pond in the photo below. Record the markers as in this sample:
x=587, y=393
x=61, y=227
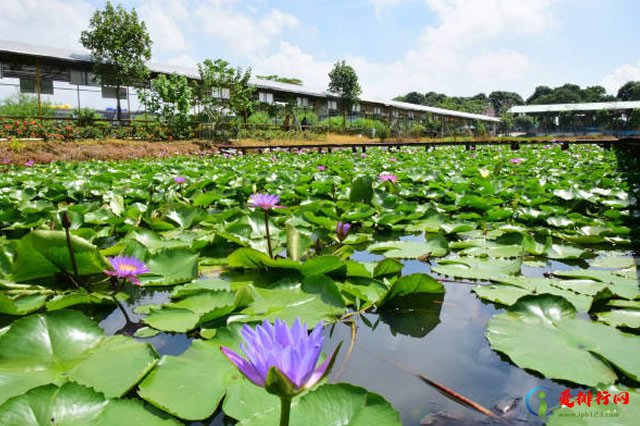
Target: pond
x=467, y=274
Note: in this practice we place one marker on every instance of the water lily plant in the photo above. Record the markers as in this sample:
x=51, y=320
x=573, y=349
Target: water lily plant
x=179, y=179
x=388, y=177
x=127, y=268
x=342, y=230
x=516, y=160
x=266, y=202
x=282, y=359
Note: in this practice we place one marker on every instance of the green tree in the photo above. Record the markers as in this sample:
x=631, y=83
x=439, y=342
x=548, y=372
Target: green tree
x=412, y=98
x=223, y=88
x=120, y=46
x=538, y=93
x=343, y=81
x=170, y=99
x=596, y=94
x=630, y=91
x=525, y=123
x=501, y=101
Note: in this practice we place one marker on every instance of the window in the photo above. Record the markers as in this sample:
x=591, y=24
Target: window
x=221, y=92
x=395, y=113
x=109, y=92
x=355, y=107
x=82, y=78
x=302, y=102
x=377, y=110
x=332, y=105
x=410, y=114
x=265, y=97
x=28, y=85
x=0, y=69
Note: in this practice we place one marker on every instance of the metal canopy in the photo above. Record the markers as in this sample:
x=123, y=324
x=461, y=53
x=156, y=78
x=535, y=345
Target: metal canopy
x=593, y=106
x=82, y=61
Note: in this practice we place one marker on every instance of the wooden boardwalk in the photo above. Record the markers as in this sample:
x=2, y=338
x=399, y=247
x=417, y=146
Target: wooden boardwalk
x=515, y=144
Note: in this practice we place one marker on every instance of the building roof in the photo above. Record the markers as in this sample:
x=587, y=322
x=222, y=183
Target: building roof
x=21, y=48
x=593, y=106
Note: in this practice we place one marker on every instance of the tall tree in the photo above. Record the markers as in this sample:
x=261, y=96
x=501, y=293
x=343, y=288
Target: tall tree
x=223, y=87
x=501, y=101
x=343, y=81
x=539, y=93
x=169, y=97
x=120, y=46
x=630, y=91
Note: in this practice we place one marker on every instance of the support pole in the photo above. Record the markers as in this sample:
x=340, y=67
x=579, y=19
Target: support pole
x=38, y=89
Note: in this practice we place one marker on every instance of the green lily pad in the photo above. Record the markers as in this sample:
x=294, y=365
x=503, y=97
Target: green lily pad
x=478, y=268
x=67, y=346
x=620, y=286
x=71, y=405
x=177, y=384
x=541, y=333
x=42, y=254
x=433, y=247
x=629, y=318
x=330, y=404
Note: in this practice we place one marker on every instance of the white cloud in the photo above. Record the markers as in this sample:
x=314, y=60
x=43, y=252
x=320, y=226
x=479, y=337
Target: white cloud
x=56, y=23
x=620, y=76
x=165, y=20
x=445, y=57
x=243, y=32
x=502, y=65
x=380, y=6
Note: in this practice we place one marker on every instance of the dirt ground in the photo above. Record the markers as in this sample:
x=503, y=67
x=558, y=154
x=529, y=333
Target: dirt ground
x=19, y=152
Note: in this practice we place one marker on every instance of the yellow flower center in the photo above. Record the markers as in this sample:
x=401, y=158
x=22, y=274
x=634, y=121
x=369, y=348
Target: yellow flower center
x=127, y=268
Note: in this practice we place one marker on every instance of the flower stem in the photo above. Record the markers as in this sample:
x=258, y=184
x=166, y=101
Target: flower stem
x=285, y=410
x=266, y=226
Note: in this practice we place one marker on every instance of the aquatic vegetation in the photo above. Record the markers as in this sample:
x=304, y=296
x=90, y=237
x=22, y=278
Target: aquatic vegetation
x=550, y=235
x=127, y=268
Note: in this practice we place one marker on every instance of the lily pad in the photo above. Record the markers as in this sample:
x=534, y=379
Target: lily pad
x=72, y=404
x=329, y=404
x=67, y=346
x=433, y=247
x=177, y=384
x=541, y=333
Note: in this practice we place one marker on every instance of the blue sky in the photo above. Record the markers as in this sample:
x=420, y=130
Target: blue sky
x=459, y=47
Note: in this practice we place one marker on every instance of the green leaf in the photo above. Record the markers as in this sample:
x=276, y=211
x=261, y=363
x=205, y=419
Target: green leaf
x=75, y=405
x=66, y=346
x=171, y=266
x=629, y=318
x=541, y=333
x=388, y=268
x=361, y=190
x=477, y=269
x=433, y=247
x=289, y=304
x=177, y=384
x=410, y=285
x=330, y=404
x=42, y=254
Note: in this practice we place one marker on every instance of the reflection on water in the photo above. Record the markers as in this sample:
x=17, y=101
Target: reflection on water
x=443, y=340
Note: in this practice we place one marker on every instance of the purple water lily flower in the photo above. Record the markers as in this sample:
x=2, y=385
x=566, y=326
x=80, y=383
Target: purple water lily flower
x=127, y=267
x=363, y=155
x=6, y=161
x=265, y=201
x=292, y=351
x=393, y=159
x=321, y=168
x=179, y=179
x=29, y=163
x=342, y=230
x=516, y=160
x=384, y=177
